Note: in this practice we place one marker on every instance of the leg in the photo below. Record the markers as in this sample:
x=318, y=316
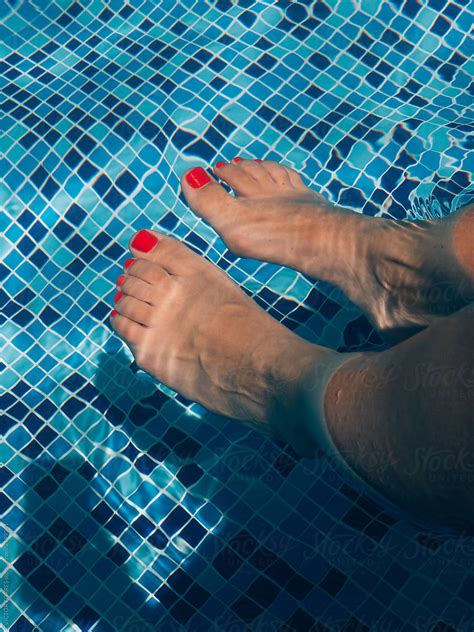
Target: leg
x=403, y=419
x=192, y=328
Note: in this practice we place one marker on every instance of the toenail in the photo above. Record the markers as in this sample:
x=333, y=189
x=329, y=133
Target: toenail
x=197, y=178
x=258, y=160
x=238, y=159
x=144, y=241
x=219, y=164
x=117, y=297
x=113, y=313
x=129, y=262
x=120, y=280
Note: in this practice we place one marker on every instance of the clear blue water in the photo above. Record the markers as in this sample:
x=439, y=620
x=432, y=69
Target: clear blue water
x=123, y=506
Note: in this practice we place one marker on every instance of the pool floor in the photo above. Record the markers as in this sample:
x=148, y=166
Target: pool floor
x=124, y=506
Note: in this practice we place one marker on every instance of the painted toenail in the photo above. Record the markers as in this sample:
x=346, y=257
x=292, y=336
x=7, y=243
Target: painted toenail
x=197, y=178
x=113, y=313
x=128, y=263
x=117, y=297
x=120, y=280
x=238, y=159
x=144, y=241
x=258, y=160
x=219, y=164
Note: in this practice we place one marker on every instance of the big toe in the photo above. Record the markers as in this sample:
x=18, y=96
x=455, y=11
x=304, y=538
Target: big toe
x=205, y=195
x=169, y=253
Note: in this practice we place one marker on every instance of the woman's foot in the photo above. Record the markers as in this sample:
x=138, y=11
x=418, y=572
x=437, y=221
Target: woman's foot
x=275, y=217
x=191, y=327
x=387, y=267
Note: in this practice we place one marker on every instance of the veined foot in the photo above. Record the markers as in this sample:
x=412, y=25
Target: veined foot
x=390, y=268
x=191, y=327
x=274, y=216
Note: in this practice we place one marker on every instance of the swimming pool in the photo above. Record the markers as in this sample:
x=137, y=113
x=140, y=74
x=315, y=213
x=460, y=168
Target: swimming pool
x=124, y=506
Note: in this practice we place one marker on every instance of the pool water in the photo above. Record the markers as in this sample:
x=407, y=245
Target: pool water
x=123, y=506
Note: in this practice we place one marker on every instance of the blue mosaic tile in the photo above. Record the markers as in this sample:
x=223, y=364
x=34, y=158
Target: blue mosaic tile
x=125, y=506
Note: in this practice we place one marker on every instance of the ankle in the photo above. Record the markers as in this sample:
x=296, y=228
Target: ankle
x=418, y=271
x=336, y=245
x=297, y=414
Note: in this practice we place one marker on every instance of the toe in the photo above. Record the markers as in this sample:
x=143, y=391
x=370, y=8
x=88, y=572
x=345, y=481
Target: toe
x=134, y=309
x=129, y=330
x=205, y=195
x=144, y=282
x=168, y=253
x=146, y=270
x=277, y=172
x=245, y=177
x=295, y=179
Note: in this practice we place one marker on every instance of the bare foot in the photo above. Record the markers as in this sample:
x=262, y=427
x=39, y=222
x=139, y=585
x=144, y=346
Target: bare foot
x=191, y=327
x=390, y=268
x=274, y=216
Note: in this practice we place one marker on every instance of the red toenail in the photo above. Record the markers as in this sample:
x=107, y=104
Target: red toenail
x=113, y=313
x=258, y=160
x=238, y=159
x=120, y=279
x=117, y=297
x=129, y=262
x=144, y=241
x=197, y=178
x=219, y=164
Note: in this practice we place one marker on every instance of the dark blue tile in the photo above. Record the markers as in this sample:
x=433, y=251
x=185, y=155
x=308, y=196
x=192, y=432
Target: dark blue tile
x=118, y=554
x=227, y=562
x=56, y=591
x=47, y=436
x=26, y=563
x=263, y=591
x=193, y=532
x=41, y=577
x=5, y=503
x=333, y=582
x=176, y=519
x=166, y=596
x=116, y=525
x=158, y=539
x=114, y=198
x=127, y=182
x=124, y=130
x=86, y=618
x=145, y=465
x=143, y=526
x=189, y=474
x=23, y=625
x=246, y=609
